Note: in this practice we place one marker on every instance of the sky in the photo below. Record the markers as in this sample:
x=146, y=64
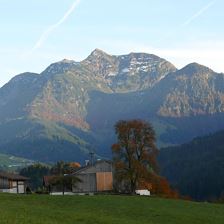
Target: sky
x=36, y=33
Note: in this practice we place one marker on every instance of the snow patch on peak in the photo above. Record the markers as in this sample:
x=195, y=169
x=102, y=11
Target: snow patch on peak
x=125, y=70
x=161, y=77
x=112, y=74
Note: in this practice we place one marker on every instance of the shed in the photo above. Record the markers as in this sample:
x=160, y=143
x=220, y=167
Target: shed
x=12, y=183
x=94, y=178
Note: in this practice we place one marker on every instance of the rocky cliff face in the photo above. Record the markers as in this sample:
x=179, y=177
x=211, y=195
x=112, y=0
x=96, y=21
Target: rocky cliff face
x=127, y=73
x=193, y=90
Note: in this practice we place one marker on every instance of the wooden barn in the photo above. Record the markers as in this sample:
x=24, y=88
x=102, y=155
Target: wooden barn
x=12, y=183
x=94, y=178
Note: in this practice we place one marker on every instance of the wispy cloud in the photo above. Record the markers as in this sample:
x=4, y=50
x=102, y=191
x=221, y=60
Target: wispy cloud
x=198, y=13
x=47, y=32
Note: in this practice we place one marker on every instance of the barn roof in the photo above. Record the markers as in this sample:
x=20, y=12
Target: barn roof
x=12, y=176
x=80, y=169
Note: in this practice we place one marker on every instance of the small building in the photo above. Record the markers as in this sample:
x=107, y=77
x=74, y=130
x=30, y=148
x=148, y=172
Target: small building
x=12, y=183
x=94, y=178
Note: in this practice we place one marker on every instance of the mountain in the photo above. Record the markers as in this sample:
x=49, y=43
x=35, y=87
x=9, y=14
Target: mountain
x=69, y=110
x=196, y=168
x=128, y=73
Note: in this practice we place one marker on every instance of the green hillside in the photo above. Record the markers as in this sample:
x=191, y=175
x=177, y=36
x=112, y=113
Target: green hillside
x=35, y=209
x=196, y=168
x=43, y=141
x=9, y=162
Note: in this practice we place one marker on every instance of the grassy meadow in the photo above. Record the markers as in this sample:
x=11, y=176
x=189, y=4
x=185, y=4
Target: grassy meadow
x=45, y=209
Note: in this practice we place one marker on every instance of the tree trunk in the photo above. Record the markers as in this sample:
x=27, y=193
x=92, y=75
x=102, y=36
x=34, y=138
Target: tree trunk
x=132, y=187
x=63, y=188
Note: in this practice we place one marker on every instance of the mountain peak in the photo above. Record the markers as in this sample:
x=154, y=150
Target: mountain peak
x=24, y=77
x=97, y=55
x=195, y=68
x=67, y=61
x=142, y=54
x=60, y=67
x=98, y=52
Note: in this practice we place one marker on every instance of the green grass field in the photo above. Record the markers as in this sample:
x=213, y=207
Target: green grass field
x=44, y=209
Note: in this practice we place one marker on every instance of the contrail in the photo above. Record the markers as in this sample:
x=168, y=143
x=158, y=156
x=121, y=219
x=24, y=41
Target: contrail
x=188, y=21
x=200, y=12
x=47, y=32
